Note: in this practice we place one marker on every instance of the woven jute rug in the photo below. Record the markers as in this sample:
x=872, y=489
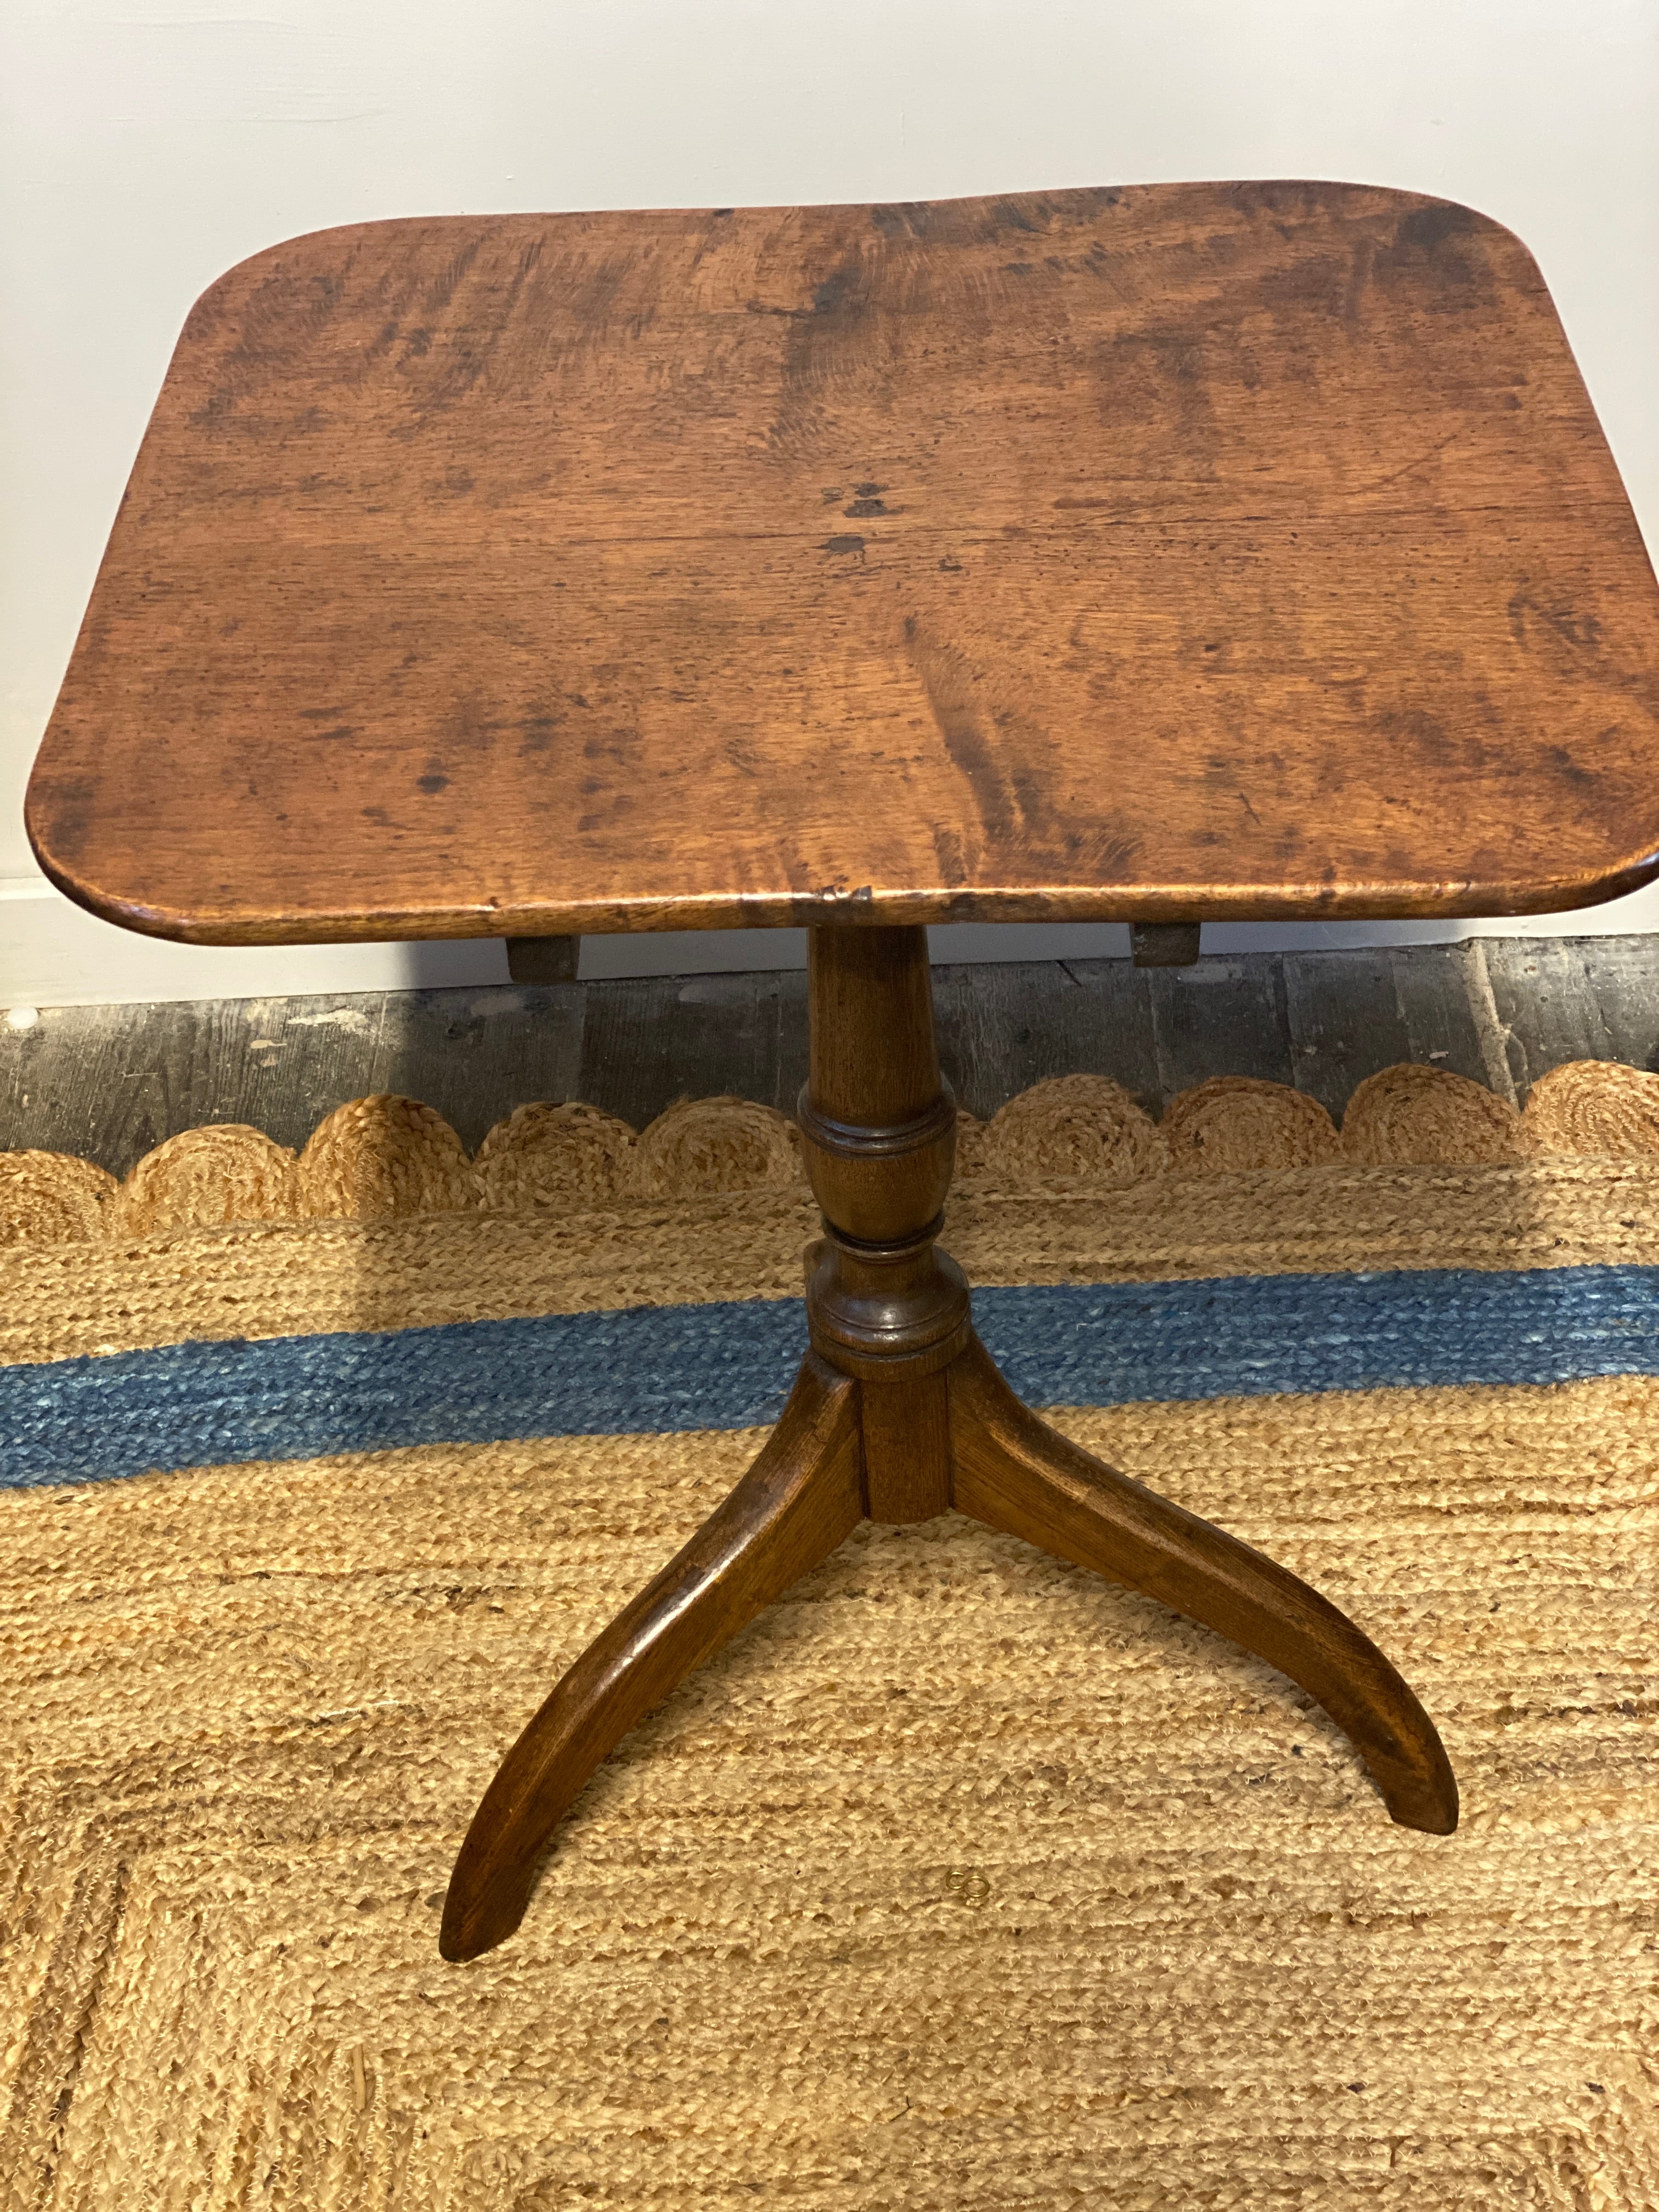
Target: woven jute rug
x=961, y=1880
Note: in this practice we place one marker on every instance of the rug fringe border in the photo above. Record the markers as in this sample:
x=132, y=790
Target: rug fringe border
x=386, y=1156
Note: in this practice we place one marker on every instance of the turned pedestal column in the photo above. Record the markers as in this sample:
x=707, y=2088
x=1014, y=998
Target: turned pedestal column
x=884, y=1303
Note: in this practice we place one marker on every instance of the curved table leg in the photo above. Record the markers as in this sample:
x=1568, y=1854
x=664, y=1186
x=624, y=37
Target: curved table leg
x=1012, y=1471
x=798, y=1501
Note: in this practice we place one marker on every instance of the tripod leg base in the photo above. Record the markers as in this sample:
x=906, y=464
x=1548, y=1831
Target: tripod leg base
x=1014, y=1471
x=831, y=1460
x=801, y=1496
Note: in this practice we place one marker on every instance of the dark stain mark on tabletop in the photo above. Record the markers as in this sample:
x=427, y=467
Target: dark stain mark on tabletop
x=842, y=292
x=1427, y=228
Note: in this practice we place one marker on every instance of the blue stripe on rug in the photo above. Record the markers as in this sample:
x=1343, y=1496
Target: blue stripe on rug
x=667, y=1368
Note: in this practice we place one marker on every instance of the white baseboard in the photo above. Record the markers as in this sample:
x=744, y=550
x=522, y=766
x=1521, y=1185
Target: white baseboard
x=52, y=954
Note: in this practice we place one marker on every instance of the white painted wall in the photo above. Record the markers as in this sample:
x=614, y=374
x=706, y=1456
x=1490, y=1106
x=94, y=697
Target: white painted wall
x=147, y=144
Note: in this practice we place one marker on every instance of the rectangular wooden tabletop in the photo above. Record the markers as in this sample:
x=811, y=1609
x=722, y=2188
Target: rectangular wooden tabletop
x=1182, y=551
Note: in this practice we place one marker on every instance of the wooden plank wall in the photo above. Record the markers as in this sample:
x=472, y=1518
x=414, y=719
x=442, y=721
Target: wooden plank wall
x=110, y=1082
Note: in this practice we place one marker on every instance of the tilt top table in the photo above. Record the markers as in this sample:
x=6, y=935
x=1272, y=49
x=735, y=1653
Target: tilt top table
x=1164, y=555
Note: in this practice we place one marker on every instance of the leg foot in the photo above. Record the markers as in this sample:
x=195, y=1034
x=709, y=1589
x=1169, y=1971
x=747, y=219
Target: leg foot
x=1012, y=1471
x=801, y=1496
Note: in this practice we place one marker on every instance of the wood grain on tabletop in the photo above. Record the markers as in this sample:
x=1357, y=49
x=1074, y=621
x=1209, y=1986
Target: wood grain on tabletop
x=1241, y=549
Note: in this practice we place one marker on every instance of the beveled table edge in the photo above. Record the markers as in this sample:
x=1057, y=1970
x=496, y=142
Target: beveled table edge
x=865, y=905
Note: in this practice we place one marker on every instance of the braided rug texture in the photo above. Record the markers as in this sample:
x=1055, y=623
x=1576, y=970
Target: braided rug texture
x=961, y=1879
